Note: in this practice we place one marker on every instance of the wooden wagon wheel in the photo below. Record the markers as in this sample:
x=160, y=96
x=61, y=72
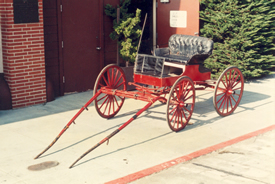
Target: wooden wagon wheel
x=181, y=103
x=112, y=77
x=228, y=91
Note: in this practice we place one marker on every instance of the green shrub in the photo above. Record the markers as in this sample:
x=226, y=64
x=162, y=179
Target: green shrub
x=127, y=31
x=243, y=32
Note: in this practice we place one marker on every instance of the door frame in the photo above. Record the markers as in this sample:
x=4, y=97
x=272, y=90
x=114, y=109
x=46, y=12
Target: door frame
x=60, y=38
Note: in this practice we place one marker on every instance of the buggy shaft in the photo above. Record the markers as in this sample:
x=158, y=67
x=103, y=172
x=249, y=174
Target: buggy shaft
x=117, y=130
x=70, y=122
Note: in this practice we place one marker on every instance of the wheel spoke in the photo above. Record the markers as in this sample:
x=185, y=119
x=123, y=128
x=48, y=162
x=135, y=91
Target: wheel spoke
x=102, y=85
x=220, y=94
x=233, y=78
x=117, y=81
x=227, y=103
x=121, y=98
x=185, y=99
x=234, y=99
x=116, y=75
x=222, y=101
x=178, y=119
x=107, y=84
x=224, y=83
x=171, y=119
x=172, y=110
x=237, y=89
x=181, y=120
x=221, y=98
x=186, y=109
x=116, y=101
x=109, y=79
x=236, y=84
x=120, y=84
x=107, y=104
x=224, y=104
x=184, y=116
x=227, y=80
x=102, y=98
x=230, y=101
x=187, y=93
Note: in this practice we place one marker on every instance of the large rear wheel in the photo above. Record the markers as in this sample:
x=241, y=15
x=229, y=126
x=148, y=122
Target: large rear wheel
x=111, y=77
x=228, y=91
x=180, y=104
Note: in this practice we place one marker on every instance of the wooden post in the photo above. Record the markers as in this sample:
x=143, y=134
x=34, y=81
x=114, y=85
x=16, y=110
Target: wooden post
x=117, y=55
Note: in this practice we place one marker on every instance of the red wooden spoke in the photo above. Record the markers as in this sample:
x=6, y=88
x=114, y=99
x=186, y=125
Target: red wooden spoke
x=187, y=93
x=120, y=84
x=116, y=101
x=173, y=116
x=181, y=120
x=236, y=83
x=109, y=79
x=186, y=109
x=230, y=101
x=185, y=99
x=105, y=80
x=103, y=103
x=117, y=81
x=112, y=77
x=234, y=78
x=234, y=99
x=220, y=94
x=102, y=97
x=101, y=84
x=184, y=115
x=221, y=98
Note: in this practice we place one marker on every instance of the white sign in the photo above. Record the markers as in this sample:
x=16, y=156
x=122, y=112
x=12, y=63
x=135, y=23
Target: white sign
x=178, y=19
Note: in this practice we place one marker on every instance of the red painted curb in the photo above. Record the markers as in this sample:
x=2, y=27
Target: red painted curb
x=165, y=165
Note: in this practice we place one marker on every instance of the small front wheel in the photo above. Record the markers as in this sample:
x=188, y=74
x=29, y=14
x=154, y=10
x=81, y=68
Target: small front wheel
x=112, y=77
x=228, y=91
x=180, y=104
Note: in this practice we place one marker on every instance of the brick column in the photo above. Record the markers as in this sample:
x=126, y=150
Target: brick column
x=23, y=57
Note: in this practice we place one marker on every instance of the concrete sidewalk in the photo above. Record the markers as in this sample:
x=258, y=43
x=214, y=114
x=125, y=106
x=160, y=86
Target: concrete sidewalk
x=144, y=143
x=250, y=161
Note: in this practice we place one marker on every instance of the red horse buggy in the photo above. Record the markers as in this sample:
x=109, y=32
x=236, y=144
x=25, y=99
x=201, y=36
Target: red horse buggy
x=170, y=76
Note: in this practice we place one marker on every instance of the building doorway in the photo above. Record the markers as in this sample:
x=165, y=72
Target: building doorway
x=80, y=28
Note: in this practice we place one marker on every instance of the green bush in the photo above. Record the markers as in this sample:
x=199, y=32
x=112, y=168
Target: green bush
x=127, y=31
x=243, y=32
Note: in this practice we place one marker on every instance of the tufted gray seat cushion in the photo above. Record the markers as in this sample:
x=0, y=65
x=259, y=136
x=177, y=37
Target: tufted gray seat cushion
x=186, y=48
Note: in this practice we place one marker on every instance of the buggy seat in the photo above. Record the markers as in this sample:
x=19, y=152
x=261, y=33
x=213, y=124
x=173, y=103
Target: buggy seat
x=184, y=56
x=186, y=49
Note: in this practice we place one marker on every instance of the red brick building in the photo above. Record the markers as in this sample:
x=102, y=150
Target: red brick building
x=23, y=57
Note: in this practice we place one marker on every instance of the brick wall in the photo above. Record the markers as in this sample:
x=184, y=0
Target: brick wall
x=23, y=57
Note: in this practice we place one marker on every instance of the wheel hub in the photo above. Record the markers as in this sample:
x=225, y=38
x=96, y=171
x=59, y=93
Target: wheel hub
x=181, y=104
x=229, y=92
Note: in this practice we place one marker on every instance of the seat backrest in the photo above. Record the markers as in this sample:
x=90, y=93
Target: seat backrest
x=188, y=46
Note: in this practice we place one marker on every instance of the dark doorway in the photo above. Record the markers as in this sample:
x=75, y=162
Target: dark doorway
x=146, y=7
x=80, y=33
